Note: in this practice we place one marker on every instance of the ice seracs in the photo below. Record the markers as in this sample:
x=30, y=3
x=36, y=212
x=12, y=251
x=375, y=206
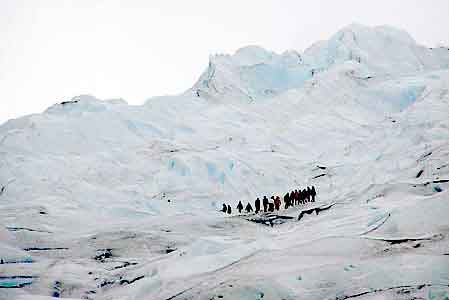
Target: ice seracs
x=383, y=49
x=254, y=73
x=251, y=73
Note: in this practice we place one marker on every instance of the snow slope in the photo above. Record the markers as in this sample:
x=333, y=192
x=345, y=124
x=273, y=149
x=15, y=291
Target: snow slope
x=103, y=200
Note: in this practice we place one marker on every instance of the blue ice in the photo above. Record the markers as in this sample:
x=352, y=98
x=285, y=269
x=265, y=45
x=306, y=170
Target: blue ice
x=15, y=281
x=376, y=219
x=222, y=177
x=410, y=95
x=178, y=167
x=142, y=128
x=211, y=169
x=214, y=173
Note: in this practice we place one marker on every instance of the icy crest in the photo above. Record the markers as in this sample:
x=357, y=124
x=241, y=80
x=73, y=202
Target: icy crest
x=254, y=73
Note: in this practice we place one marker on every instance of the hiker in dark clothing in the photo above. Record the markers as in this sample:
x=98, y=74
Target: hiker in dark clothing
x=229, y=209
x=240, y=207
x=313, y=192
x=292, y=198
x=277, y=203
x=265, y=203
x=296, y=197
x=286, y=200
x=257, y=205
x=271, y=207
x=308, y=193
x=249, y=208
x=224, y=208
x=304, y=193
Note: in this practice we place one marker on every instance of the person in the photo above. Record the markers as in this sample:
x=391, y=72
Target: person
x=308, y=194
x=304, y=193
x=296, y=197
x=240, y=207
x=249, y=208
x=292, y=198
x=271, y=207
x=301, y=196
x=229, y=209
x=257, y=205
x=265, y=203
x=224, y=208
x=277, y=202
x=313, y=192
x=286, y=200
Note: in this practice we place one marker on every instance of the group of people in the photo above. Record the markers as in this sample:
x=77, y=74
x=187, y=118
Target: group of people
x=292, y=198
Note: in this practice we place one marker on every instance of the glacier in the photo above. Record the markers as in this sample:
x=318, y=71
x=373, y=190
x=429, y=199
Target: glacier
x=104, y=200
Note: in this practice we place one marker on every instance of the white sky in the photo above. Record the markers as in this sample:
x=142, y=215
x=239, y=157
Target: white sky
x=52, y=50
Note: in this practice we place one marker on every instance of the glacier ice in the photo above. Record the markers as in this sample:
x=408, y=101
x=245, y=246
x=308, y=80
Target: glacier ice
x=357, y=116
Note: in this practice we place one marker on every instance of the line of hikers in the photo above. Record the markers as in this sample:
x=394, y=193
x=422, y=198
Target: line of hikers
x=293, y=198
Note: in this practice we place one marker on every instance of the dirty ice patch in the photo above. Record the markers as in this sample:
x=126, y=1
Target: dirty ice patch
x=35, y=297
x=247, y=289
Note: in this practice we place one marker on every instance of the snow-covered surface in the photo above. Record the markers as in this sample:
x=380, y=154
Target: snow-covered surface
x=92, y=179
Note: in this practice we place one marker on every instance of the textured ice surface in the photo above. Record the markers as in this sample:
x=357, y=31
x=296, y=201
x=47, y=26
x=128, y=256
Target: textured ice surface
x=102, y=200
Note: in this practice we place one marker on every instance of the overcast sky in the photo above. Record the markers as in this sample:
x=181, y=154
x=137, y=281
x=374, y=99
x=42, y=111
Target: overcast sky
x=52, y=50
